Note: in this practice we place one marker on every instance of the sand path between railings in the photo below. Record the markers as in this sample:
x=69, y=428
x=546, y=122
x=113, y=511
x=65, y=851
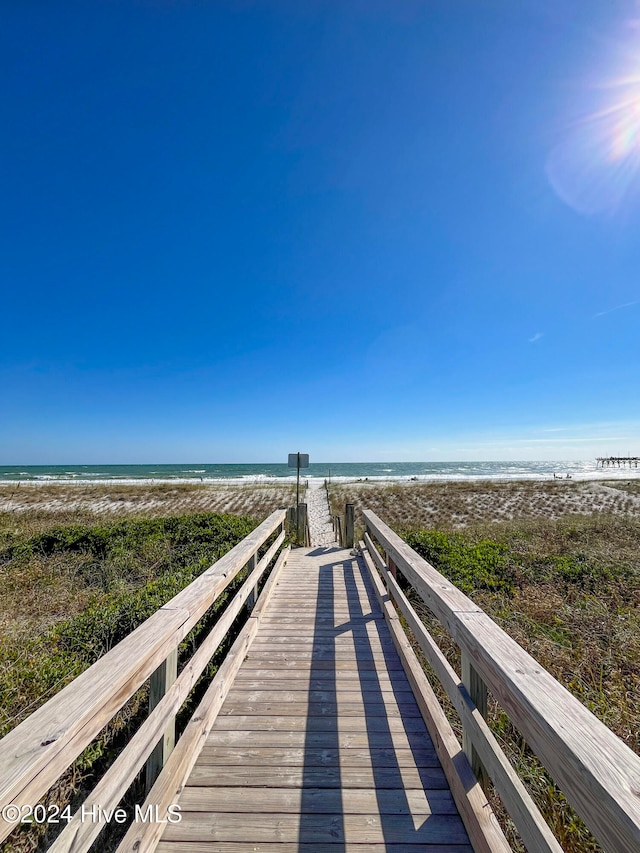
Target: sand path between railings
x=320, y=527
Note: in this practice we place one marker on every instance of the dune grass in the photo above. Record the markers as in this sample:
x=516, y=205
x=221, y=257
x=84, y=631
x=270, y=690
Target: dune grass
x=458, y=504
x=630, y=486
x=27, y=508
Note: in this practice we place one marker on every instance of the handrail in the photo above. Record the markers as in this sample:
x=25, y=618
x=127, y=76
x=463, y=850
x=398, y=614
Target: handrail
x=337, y=526
x=526, y=816
x=38, y=751
x=485, y=835
x=145, y=836
x=598, y=773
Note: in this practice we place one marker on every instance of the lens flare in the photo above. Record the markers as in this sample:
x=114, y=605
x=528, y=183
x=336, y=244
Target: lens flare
x=596, y=167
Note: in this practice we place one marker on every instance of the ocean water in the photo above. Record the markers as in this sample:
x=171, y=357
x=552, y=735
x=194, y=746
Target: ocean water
x=336, y=471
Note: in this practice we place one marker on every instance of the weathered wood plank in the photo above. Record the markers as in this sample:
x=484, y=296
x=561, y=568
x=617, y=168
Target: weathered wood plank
x=305, y=664
x=325, y=757
x=314, y=847
x=324, y=709
x=307, y=679
x=331, y=592
x=346, y=777
x=272, y=581
x=310, y=828
x=313, y=631
x=160, y=682
x=327, y=655
x=368, y=698
x=316, y=801
x=317, y=740
x=242, y=723
x=339, y=642
x=334, y=622
x=342, y=644
x=331, y=682
x=328, y=622
x=304, y=610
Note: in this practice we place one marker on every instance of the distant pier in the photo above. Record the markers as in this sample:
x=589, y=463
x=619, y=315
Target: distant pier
x=620, y=461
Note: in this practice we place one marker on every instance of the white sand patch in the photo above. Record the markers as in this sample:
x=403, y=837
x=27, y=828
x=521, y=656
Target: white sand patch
x=321, y=530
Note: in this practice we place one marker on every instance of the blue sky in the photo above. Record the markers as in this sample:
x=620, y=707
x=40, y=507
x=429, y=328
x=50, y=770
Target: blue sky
x=370, y=230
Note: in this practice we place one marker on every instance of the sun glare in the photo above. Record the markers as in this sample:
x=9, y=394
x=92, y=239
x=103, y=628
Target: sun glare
x=596, y=165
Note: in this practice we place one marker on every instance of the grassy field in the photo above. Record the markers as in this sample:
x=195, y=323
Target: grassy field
x=74, y=583
x=557, y=566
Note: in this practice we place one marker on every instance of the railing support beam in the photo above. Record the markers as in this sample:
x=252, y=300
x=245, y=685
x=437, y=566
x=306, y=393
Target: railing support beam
x=349, y=526
x=477, y=690
x=302, y=524
x=159, y=683
x=251, y=600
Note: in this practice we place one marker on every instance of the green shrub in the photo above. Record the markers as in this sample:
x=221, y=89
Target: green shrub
x=469, y=565
x=128, y=594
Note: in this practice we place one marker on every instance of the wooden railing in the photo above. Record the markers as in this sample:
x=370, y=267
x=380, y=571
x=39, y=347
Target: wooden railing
x=298, y=524
x=37, y=752
x=597, y=772
x=345, y=527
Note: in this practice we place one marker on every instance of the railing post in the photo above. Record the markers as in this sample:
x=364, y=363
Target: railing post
x=338, y=528
x=477, y=690
x=349, y=526
x=159, y=683
x=292, y=521
x=251, y=600
x=393, y=570
x=302, y=524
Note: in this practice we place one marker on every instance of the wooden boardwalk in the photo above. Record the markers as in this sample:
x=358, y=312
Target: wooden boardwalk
x=319, y=745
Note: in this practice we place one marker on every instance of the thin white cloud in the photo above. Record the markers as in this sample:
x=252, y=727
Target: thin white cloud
x=563, y=440
x=536, y=337
x=617, y=308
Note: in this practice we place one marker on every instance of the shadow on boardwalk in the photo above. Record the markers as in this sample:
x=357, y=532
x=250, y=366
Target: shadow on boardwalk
x=388, y=788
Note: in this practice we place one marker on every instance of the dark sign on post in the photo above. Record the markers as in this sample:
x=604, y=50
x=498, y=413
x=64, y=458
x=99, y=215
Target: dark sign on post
x=298, y=460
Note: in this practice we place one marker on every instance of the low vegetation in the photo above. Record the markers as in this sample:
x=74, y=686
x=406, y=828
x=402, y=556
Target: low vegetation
x=630, y=486
x=71, y=592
